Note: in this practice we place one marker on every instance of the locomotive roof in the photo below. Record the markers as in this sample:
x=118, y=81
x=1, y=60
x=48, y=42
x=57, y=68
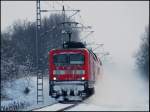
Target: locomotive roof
x=90, y=51
x=70, y=49
x=73, y=44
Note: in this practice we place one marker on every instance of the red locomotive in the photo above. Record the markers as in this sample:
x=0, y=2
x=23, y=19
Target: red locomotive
x=73, y=71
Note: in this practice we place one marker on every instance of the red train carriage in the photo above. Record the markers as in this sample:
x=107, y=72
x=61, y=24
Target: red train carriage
x=73, y=72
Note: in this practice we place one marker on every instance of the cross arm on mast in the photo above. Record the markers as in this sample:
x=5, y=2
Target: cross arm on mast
x=58, y=10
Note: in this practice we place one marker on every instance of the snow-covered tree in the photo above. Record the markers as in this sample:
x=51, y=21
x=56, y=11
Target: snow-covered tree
x=142, y=56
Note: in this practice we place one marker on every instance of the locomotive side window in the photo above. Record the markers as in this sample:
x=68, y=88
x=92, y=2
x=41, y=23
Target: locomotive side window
x=76, y=59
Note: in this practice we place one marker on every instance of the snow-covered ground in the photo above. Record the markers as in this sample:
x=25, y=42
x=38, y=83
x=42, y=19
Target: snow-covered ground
x=93, y=107
x=121, y=88
x=15, y=93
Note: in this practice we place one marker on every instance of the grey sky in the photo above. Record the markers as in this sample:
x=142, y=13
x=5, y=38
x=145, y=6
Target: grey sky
x=117, y=24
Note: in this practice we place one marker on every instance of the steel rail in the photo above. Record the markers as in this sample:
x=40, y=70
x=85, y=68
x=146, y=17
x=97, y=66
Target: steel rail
x=75, y=103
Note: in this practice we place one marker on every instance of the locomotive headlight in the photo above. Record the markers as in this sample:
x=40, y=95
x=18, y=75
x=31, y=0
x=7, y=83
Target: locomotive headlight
x=54, y=78
x=83, y=78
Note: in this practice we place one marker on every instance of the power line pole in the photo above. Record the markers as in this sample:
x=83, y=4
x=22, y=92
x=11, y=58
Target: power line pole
x=40, y=97
x=64, y=23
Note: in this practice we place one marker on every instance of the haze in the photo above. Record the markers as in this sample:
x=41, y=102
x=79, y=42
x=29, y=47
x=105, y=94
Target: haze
x=117, y=24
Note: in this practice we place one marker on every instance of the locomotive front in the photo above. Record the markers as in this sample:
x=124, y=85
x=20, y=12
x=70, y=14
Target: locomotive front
x=68, y=72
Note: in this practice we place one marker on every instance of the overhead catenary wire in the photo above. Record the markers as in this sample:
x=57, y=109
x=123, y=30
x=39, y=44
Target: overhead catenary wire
x=83, y=27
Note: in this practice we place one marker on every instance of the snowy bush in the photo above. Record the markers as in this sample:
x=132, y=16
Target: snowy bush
x=15, y=106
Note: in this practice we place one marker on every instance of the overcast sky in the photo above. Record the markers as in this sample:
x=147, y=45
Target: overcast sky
x=117, y=24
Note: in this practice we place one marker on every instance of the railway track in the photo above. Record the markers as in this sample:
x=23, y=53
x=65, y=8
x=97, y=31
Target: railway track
x=56, y=107
x=59, y=106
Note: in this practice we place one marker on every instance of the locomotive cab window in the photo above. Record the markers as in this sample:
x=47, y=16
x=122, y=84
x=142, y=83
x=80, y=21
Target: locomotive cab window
x=76, y=59
x=60, y=59
x=66, y=59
